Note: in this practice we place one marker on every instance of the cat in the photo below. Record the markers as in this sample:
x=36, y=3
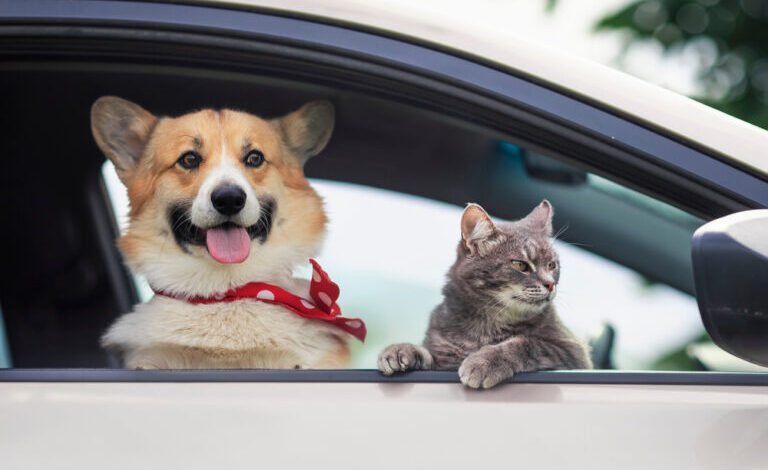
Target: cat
x=497, y=317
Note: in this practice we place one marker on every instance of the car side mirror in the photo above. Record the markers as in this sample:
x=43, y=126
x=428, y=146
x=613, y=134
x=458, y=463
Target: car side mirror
x=730, y=269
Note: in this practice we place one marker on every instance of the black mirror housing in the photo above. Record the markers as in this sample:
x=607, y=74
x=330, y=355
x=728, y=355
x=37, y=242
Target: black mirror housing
x=730, y=268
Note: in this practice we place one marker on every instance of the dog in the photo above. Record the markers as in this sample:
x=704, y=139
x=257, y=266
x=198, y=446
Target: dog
x=218, y=199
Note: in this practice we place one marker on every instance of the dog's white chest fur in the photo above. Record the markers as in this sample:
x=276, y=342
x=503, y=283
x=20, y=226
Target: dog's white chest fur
x=168, y=333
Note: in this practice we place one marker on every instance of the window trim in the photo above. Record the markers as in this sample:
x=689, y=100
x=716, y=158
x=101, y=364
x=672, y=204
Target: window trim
x=639, y=156
x=587, y=377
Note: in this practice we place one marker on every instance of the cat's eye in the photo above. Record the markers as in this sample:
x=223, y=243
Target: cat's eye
x=552, y=265
x=521, y=266
x=254, y=159
x=190, y=160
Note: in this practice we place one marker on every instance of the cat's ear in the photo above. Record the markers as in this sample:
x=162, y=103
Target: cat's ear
x=477, y=228
x=540, y=218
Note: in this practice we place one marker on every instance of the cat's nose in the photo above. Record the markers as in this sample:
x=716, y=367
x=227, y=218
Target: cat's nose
x=549, y=285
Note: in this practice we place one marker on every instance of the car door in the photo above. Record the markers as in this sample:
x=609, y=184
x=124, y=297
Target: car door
x=93, y=417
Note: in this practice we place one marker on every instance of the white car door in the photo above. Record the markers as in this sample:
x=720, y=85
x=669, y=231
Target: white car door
x=102, y=418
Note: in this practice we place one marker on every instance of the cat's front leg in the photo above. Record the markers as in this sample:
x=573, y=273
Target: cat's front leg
x=402, y=357
x=493, y=363
x=485, y=368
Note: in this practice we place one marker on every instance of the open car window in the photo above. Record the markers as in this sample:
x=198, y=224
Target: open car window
x=419, y=132
x=386, y=177
x=390, y=251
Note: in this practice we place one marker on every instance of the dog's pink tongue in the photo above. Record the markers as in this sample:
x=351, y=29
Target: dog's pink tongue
x=228, y=245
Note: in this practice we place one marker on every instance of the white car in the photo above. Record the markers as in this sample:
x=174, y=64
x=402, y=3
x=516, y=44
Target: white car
x=429, y=118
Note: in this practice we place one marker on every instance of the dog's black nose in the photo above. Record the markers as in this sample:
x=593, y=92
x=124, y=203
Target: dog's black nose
x=228, y=200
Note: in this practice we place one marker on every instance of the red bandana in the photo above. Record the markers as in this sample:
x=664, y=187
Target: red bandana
x=323, y=291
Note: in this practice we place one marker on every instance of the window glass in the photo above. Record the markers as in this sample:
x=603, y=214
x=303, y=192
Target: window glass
x=5, y=353
x=389, y=252
x=648, y=203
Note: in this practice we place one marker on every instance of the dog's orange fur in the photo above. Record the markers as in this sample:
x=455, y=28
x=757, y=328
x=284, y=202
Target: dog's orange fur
x=158, y=177
x=155, y=181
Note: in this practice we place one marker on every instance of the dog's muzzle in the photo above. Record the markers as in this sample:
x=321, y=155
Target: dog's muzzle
x=228, y=200
x=186, y=233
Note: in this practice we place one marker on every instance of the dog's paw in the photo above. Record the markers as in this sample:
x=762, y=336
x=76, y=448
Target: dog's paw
x=480, y=370
x=403, y=357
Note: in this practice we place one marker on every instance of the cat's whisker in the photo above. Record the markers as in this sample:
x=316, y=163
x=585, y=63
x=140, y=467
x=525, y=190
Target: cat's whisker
x=561, y=231
x=493, y=303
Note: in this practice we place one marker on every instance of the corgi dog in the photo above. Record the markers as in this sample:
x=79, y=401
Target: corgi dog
x=218, y=199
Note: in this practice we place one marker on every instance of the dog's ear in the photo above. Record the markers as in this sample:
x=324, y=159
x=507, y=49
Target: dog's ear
x=307, y=130
x=121, y=130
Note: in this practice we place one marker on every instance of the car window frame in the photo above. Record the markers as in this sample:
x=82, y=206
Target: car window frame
x=629, y=143
x=695, y=179
x=580, y=377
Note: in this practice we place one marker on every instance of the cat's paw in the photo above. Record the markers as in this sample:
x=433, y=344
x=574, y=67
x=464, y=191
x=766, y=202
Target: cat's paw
x=403, y=357
x=480, y=370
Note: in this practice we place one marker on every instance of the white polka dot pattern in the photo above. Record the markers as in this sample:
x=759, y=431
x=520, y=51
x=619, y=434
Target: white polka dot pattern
x=322, y=290
x=265, y=295
x=324, y=297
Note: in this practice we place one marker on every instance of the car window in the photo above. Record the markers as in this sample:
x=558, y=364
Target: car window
x=5, y=354
x=394, y=279
x=390, y=251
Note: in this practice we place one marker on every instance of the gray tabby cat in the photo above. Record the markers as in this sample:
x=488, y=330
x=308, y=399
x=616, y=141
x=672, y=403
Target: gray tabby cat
x=497, y=316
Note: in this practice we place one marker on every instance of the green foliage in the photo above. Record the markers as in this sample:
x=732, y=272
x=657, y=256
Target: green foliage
x=678, y=359
x=551, y=4
x=728, y=37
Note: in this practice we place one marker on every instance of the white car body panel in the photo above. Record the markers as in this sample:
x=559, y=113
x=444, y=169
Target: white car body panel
x=380, y=426
x=194, y=425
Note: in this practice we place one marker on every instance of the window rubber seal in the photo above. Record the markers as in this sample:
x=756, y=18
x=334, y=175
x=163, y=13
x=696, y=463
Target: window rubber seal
x=585, y=377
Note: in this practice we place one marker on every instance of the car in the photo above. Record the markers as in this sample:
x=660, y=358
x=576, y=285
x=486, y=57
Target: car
x=428, y=120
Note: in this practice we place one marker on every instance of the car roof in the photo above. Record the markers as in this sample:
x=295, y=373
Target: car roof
x=731, y=138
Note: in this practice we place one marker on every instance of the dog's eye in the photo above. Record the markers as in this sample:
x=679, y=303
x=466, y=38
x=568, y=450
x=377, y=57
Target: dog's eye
x=254, y=159
x=521, y=266
x=552, y=265
x=190, y=160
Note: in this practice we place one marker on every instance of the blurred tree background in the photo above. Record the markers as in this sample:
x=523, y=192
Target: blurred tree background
x=728, y=38
x=728, y=41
